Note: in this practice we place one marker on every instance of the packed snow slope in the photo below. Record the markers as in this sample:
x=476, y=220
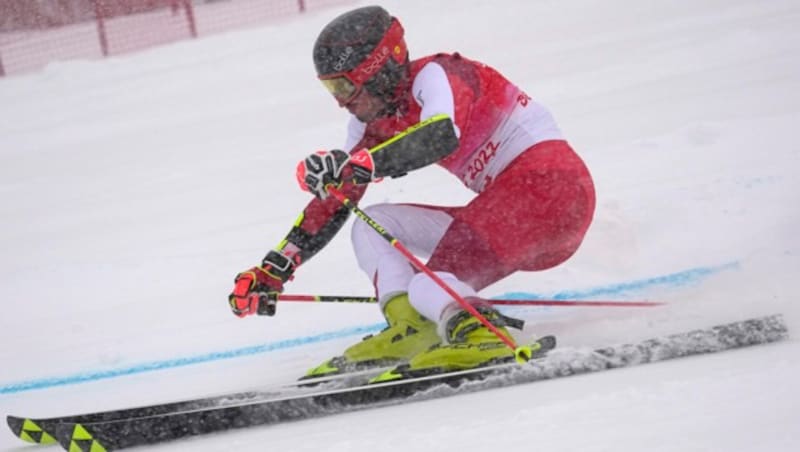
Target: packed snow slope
x=133, y=189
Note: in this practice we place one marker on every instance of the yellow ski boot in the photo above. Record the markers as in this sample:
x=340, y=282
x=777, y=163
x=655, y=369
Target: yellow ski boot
x=407, y=334
x=469, y=345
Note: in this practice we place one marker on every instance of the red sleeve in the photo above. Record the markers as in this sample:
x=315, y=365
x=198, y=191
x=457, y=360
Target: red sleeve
x=320, y=222
x=318, y=213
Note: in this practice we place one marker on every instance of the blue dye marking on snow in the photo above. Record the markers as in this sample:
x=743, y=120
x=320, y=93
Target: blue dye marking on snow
x=679, y=279
x=85, y=377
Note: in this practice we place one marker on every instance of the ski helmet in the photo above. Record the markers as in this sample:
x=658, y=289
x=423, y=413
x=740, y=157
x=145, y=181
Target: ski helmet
x=362, y=49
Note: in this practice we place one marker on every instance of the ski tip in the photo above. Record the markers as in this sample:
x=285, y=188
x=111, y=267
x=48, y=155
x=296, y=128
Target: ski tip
x=547, y=342
x=15, y=424
x=29, y=430
x=78, y=438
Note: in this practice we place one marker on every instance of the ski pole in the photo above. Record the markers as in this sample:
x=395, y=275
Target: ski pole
x=499, y=302
x=521, y=353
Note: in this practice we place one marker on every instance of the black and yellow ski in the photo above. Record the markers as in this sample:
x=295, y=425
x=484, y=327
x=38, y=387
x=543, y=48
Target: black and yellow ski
x=108, y=431
x=43, y=430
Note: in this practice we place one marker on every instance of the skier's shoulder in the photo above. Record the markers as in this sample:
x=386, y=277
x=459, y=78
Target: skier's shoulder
x=452, y=63
x=456, y=69
x=448, y=60
x=438, y=73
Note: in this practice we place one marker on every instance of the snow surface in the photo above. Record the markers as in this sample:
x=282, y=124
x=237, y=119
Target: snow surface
x=134, y=188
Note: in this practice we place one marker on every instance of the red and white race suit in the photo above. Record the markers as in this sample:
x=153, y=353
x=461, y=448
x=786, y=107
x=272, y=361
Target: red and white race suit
x=535, y=197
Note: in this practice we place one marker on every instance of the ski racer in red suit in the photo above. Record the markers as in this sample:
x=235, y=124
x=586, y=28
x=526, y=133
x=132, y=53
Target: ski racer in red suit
x=535, y=197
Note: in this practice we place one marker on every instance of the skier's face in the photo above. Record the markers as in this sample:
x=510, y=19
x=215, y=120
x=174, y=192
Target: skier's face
x=365, y=106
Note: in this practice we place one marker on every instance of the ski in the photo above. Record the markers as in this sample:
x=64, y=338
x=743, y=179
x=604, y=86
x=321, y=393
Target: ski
x=150, y=429
x=157, y=427
x=43, y=430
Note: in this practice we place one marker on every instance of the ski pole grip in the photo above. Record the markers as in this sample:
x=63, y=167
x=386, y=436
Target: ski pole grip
x=267, y=304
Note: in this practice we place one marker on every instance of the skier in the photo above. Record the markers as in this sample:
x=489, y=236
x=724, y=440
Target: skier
x=535, y=197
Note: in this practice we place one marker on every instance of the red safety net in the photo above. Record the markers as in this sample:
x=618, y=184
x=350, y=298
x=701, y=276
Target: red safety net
x=36, y=32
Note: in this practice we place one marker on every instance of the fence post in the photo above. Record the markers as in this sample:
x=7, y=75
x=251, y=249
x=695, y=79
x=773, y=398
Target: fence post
x=101, y=26
x=187, y=5
x=302, y=5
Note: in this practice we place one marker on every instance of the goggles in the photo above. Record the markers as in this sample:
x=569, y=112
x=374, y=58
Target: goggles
x=341, y=87
x=345, y=86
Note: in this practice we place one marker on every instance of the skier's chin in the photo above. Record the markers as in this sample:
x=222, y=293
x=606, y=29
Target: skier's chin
x=364, y=115
x=367, y=114
x=367, y=117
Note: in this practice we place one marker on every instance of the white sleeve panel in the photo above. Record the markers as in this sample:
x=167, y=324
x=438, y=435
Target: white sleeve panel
x=433, y=93
x=355, y=132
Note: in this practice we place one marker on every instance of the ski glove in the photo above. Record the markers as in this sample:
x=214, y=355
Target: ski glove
x=253, y=287
x=325, y=168
x=320, y=170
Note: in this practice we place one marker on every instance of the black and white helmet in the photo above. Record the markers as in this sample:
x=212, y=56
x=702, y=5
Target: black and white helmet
x=362, y=49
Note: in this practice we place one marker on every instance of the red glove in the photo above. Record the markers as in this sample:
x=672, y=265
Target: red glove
x=259, y=283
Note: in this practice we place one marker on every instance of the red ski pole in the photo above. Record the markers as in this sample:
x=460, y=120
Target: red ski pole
x=600, y=303
x=498, y=302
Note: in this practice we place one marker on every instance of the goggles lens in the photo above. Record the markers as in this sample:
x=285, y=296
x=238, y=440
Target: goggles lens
x=341, y=88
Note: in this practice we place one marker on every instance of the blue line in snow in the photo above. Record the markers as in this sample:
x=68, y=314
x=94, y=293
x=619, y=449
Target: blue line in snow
x=679, y=279
x=85, y=377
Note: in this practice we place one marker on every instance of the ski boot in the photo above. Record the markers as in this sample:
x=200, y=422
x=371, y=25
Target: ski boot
x=407, y=334
x=469, y=345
